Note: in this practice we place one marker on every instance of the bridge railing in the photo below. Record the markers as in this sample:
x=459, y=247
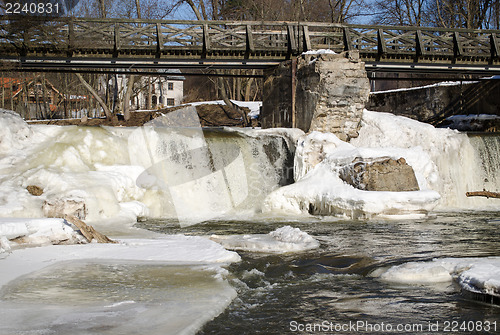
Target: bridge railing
x=87, y=37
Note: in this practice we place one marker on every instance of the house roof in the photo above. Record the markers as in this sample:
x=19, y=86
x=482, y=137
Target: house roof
x=8, y=82
x=172, y=74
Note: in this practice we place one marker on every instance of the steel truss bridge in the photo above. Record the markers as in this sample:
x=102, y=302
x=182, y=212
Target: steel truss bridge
x=123, y=46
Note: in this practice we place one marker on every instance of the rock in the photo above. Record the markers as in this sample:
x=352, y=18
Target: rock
x=59, y=208
x=385, y=175
x=35, y=190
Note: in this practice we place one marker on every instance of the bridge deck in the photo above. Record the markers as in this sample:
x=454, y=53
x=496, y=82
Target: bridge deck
x=115, y=43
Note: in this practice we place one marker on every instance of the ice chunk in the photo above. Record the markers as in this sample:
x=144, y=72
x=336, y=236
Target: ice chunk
x=476, y=275
x=38, y=231
x=282, y=240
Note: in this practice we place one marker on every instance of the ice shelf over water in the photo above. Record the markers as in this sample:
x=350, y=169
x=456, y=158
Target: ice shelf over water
x=46, y=289
x=282, y=240
x=476, y=275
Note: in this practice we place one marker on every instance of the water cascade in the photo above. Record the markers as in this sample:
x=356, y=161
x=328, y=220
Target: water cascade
x=452, y=163
x=174, y=171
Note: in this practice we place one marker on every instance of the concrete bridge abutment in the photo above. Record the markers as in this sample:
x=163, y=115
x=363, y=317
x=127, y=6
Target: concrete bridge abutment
x=324, y=92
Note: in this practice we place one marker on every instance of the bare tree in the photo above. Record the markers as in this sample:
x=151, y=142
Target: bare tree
x=471, y=14
x=402, y=12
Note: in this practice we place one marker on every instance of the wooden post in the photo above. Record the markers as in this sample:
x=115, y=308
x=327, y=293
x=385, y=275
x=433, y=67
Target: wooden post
x=294, y=85
x=419, y=47
x=3, y=91
x=206, y=41
x=292, y=43
x=250, y=43
x=71, y=37
x=382, y=47
x=159, y=40
x=117, y=39
x=457, y=46
x=494, y=46
x=347, y=39
x=307, y=39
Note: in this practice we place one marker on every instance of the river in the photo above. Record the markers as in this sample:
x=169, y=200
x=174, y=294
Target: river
x=333, y=287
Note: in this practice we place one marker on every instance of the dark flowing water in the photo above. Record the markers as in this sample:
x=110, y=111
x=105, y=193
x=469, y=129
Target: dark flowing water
x=330, y=290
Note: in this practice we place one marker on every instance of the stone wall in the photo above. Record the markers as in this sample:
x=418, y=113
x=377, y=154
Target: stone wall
x=329, y=93
x=428, y=102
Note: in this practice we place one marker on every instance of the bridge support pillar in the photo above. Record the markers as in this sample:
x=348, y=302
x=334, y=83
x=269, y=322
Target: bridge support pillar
x=323, y=92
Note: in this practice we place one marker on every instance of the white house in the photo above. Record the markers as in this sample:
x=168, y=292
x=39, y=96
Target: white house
x=154, y=92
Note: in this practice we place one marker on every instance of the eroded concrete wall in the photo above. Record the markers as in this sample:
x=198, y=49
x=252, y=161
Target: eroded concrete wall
x=330, y=94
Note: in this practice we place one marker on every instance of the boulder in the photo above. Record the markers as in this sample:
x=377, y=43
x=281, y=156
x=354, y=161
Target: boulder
x=59, y=208
x=383, y=175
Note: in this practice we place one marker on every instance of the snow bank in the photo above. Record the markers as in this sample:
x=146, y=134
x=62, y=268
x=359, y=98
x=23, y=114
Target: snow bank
x=36, y=232
x=476, y=275
x=319, y=190
x=14, y=132
x=281, y=240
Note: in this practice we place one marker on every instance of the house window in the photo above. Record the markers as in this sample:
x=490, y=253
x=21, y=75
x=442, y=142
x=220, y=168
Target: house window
x=170, y=86
x=170, y=102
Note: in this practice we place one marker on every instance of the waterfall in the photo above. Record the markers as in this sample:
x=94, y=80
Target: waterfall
x=452, y=163
x=196, y=175
x=487, y=149
x=170, y=168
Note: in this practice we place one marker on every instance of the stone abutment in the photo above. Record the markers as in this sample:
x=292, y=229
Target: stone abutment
x=324, y=92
